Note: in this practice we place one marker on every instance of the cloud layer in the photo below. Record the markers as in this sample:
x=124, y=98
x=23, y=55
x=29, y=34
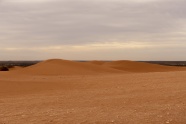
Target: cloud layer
x=107, y=28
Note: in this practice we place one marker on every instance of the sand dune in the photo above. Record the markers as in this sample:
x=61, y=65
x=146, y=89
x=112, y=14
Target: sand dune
x=15, y=68
x=65, y=67
x=132, y=66
x=66, y=92
x=96, y=62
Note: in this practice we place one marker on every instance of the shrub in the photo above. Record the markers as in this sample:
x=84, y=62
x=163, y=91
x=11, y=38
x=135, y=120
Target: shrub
x=3, y=68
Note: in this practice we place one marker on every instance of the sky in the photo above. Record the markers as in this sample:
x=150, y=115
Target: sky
x=93, y=29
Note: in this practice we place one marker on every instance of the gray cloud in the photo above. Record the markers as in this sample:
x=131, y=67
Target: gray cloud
x=78, y=22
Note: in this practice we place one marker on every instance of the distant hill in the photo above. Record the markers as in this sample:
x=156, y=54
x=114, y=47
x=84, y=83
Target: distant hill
x=133, y=66
x=66, y=67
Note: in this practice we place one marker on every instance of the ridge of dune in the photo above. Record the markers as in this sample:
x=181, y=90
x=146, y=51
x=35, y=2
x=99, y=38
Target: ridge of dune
x=133, y=66
x=65, y=67
x=96, y=62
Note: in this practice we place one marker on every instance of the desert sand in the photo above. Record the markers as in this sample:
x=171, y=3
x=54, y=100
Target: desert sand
x=120, y=92
x=140, y=67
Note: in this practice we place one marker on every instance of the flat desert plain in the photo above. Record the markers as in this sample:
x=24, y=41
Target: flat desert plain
x=119, y=92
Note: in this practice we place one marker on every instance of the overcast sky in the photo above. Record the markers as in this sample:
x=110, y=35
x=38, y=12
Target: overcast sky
x=93, y=29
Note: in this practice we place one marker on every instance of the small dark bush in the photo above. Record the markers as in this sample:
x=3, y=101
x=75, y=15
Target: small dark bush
x=3, y=68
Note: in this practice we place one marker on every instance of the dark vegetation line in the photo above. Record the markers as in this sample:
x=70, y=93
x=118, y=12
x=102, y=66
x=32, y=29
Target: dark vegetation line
x=18, y=63
x=6, y=65
x=168, y=63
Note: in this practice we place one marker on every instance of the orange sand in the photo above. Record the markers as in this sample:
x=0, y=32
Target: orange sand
x=15, y=68
x=66, y=92
x=132, y=66
x=65, y=67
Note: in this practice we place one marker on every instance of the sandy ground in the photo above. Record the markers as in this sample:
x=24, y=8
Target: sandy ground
x=120, y=98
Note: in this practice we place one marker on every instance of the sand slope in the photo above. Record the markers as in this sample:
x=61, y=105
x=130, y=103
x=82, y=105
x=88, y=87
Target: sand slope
x=132, y=66
x=65, y=67
x=70, y=96
x=136, y=98
x=15, y=68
